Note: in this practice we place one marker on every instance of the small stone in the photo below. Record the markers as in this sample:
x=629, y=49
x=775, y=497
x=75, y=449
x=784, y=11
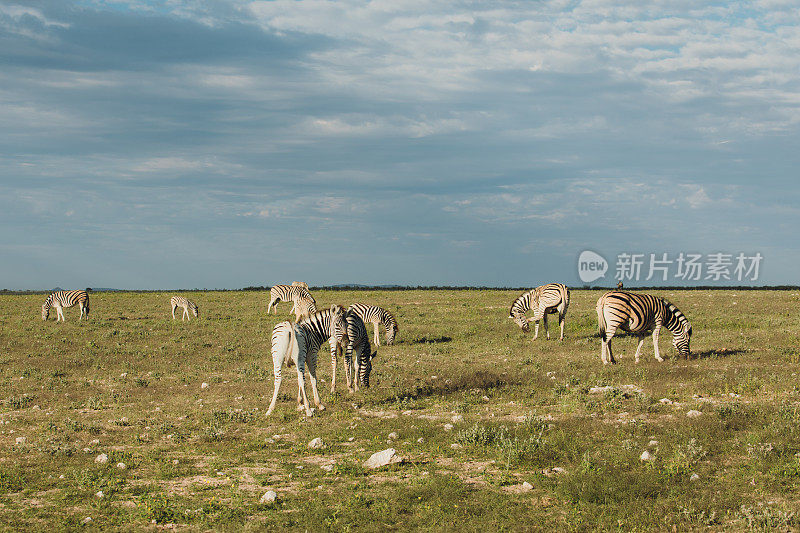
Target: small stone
x=124, y=375
x=386, y=457
x=94, y=442
x=485, y=398
x=61, y=476
x=316, y=444
x=175, y=461
x=455, y=446
x=20, y=440
x=645, y=456
x=693, y=413
x=420, y=440
x=204, y=385
x=327, y=468
x=351, y=439
x=652, y=443
x=87, y=450
x=36, y=408
x=527, y=486
x=457, y=418
x=665, y=401
x=122, y=466
x=269, y=497
x=448, y=427
x=694, y=477
x=393, y=436
x=269, y=441
x=99, y=494
x=87, y=520
x=102, y=459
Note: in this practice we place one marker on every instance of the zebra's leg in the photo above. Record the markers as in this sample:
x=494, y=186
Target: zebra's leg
x=188, y=315
x=655, y=343
x=60, y=314
x=348, y=366
x=311, y=363
x=273, y=303
x=301, y=385
x=639, y=348
x=536, y=328
x=335, y=349
x=562, y=318
x=173, y=311
x=376, y=333
x=546, y=328
x=80, y=306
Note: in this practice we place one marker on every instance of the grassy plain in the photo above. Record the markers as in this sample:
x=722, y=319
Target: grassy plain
x=128, y=384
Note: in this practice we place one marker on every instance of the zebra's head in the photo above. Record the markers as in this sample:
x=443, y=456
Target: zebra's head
x=391, y=331
x=338, y=325
x=365, y=368
x=681, y=339
x=521, y=320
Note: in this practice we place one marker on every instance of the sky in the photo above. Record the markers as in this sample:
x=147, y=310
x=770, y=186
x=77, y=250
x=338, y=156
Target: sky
x=224, y=144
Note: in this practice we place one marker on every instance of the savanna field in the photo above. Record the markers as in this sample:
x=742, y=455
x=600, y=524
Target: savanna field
x=497, y=432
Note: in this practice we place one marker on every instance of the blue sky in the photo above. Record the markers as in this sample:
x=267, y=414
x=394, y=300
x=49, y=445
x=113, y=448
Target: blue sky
x=222, y=144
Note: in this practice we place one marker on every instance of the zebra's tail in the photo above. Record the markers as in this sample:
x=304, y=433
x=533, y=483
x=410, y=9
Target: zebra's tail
x=292, y=344
x=601, y=318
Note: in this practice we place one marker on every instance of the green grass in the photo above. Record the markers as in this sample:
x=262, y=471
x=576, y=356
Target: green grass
x=127, y=383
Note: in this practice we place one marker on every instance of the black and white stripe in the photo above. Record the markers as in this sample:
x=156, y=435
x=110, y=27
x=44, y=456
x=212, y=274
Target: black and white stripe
x=62, y=299
x=299, y=344
x=295, y=294
x=377, y=315
x=541, y=301
x=358, y=343
x=187, y=305
x=639, y=314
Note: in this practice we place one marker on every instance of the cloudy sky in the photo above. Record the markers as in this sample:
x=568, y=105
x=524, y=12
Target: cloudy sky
x=167, y=144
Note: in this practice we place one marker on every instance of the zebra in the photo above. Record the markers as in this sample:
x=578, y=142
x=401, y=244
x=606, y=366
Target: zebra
x=619, y=285
x=299, y=344
x=294, y=293
x=377, y=315
x=639, y=314
x=180, y=301
x=543, y=300
x=358, y=342
x=62, y=299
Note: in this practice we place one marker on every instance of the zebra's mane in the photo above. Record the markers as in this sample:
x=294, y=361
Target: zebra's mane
x=677, y=315
x=522, y=303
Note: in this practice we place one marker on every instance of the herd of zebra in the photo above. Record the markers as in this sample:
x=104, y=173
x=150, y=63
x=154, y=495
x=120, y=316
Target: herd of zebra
x=298, y=343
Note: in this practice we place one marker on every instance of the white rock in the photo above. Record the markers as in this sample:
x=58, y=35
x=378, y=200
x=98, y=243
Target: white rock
x=645, y=456
x=204, y=385
x=99, y=494
x=87, y=520
x=122, y=466
x=527, y=486
x=327, y=468
x=386, y=457
x=102, y=459
x=61, y=476
x=652, y=443
x=174, y=461
x=448, y=427
x=87, y=450
x=124, y=375
x=693, y=413
x=694, y=477
x=94, y=442
x=455, y=446
x=351, y=439
x=665, y=401
x=457, y=418
x=393, y=436
x=20, y=440
x=269, y=497
x=316, y=444
x=420, y=440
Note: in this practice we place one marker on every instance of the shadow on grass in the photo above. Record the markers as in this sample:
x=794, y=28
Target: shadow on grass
x=479, y=379
x=713, y=354
x=431, y=340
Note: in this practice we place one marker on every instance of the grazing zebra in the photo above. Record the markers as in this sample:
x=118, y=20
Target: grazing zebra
x=639, y=314
x=358, y=342
x=377, y=315
x=619, y=285
x=180, y=301
x=62, y=299
x=292, y=293
x=543, y=300
x=299, y=344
